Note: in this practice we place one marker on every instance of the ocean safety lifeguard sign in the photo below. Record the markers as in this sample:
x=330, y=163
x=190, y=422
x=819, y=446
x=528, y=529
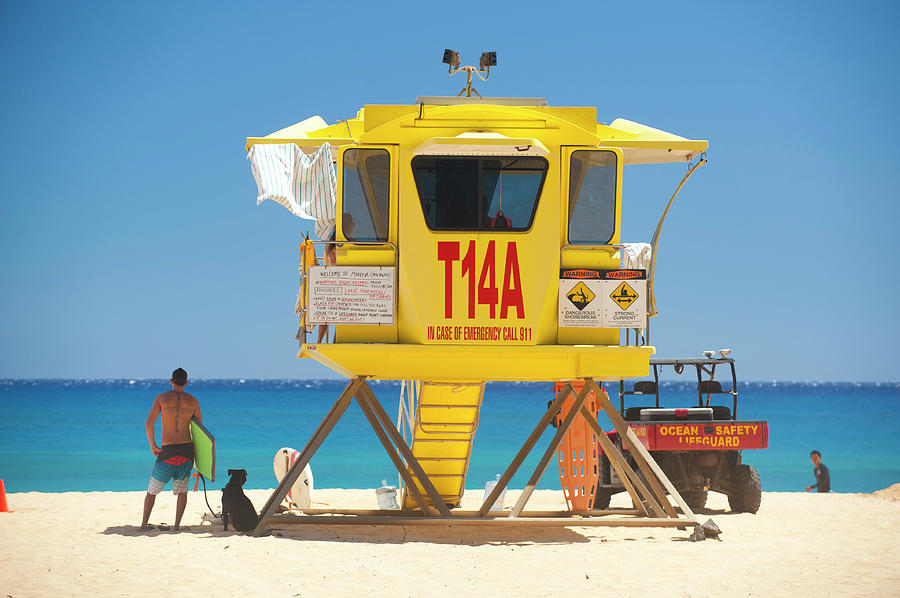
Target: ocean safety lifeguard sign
x=703, y=436
x=351, y=295
x=602, y=298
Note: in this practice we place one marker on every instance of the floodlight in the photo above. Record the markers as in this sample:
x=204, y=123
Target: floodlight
x=709, y=354
x=724, y=352
x=488, y=59
x=483, y=71
x=451, y=57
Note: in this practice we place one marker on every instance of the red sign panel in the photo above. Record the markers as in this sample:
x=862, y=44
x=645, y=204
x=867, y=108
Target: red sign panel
x=703, y=436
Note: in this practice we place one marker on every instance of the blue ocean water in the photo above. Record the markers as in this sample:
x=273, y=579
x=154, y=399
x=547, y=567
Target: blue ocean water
x=83, y=435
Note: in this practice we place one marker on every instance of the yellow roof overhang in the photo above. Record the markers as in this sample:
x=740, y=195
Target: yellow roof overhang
x=481, y=144
x=309, y=135
x=641, y=144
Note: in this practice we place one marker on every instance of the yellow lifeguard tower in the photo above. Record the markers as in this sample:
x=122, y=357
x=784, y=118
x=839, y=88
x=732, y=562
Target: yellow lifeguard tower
x=478, y=239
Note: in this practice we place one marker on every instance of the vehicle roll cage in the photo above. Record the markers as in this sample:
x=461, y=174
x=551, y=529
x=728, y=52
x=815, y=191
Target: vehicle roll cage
x=705, y=386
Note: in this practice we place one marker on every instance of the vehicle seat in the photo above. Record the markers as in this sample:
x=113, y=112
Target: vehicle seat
x=710, y=387
x=645, y=387
x=721, y=412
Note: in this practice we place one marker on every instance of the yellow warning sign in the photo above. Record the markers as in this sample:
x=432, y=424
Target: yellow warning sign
x=580, y=295
x=624, y=295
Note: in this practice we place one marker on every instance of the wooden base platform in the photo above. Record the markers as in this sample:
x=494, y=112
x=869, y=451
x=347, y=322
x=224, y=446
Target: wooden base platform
x=649, y=490
x=296, y=522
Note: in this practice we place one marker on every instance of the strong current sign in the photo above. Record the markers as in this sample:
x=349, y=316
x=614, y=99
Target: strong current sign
x=602, y=298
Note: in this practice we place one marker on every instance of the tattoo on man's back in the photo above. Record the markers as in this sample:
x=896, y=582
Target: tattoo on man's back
x=177, y=410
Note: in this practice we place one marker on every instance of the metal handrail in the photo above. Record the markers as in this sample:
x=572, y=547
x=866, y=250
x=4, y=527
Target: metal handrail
x=613, y=246
x=336, y=242
x=654, y=241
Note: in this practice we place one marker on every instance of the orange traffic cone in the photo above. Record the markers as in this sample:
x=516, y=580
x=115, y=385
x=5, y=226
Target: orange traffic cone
x=3, y=506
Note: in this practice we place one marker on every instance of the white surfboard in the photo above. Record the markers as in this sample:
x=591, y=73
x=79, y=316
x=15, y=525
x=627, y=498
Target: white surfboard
x=300, y=494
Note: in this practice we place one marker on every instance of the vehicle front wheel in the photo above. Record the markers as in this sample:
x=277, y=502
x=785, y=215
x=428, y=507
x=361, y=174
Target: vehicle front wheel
x=695, y=499
x=748, y=492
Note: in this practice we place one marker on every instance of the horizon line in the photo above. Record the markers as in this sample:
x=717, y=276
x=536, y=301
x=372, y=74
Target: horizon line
x=244, y=380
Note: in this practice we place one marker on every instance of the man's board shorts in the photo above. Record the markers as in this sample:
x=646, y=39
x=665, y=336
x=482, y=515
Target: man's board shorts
x=173, y=463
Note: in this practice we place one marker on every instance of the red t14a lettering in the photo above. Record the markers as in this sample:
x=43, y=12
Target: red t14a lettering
x=508, y=296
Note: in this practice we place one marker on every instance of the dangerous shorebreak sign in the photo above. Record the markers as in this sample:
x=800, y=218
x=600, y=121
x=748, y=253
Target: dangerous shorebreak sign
x=351, y=295
x=602, y=298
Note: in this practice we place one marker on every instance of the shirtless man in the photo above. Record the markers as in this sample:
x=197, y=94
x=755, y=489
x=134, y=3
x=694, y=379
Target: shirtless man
x=176, y=457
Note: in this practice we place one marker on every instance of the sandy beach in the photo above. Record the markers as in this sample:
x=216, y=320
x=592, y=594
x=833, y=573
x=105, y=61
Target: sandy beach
x=88, y=543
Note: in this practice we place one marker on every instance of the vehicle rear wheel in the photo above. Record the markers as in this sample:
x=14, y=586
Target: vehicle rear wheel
x=601, y=499
x=748, y=493
x=695, y=499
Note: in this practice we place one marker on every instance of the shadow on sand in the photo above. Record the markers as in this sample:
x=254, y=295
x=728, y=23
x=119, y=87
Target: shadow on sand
x=381, y=534
x=165, y=529
x=708, y=511
x=465, y=535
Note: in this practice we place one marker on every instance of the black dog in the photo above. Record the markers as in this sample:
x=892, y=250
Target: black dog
x=236, y=504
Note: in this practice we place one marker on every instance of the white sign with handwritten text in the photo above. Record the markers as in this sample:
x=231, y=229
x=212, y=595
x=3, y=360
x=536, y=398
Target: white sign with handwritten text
x=351, y=295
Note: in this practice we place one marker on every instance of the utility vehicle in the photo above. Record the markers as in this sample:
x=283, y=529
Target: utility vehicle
x=700, y=447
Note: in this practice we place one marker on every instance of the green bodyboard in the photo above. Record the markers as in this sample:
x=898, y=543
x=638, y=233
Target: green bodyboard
x=204, y=450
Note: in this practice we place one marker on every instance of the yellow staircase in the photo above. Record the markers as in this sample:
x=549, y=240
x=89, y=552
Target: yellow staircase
x=445, y=419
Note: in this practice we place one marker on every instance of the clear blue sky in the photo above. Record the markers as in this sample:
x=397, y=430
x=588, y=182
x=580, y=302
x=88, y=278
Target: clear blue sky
x=130, y=242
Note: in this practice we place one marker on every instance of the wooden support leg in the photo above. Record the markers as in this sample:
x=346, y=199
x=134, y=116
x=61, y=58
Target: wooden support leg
x=554, y=446
x=392, y=453
x=641, y=460
x=523, y=452
x=337, y=410
x=366, y=394
x=635, y=487
x=642, y=457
